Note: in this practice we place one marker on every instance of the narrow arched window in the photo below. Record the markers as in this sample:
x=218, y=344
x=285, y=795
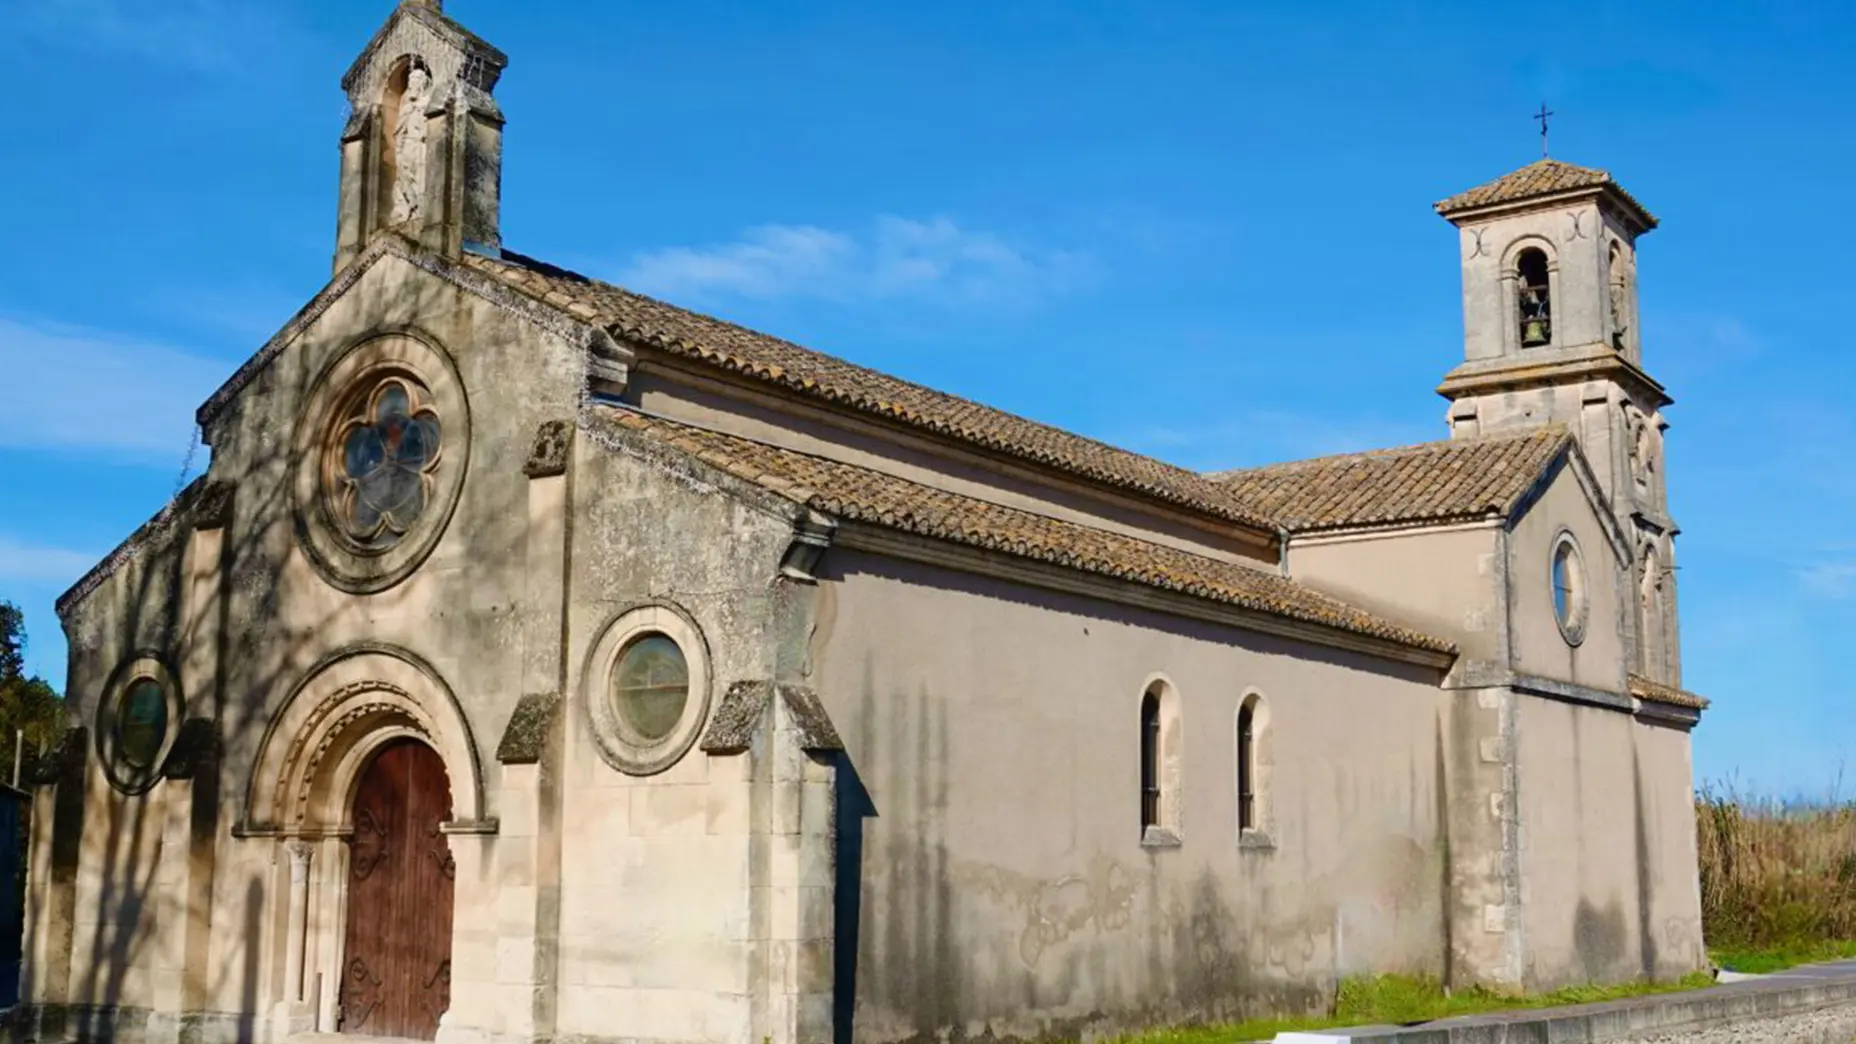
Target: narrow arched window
x=1247, y=766
x=1533, y=298
x=1150, y=760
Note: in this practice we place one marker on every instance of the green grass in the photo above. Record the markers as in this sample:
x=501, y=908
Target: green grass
x=1397, y=999
x=1761, y=960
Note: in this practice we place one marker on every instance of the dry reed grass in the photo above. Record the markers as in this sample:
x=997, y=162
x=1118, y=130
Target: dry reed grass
x=1775, y=874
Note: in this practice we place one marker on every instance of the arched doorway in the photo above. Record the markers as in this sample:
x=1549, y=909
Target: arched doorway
x=396, y=956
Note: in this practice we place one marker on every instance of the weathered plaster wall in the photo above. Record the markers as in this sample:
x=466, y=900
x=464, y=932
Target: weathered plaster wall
x=1608, y=846
x=1444, y=581
x=1538, y=647
x=992, y=876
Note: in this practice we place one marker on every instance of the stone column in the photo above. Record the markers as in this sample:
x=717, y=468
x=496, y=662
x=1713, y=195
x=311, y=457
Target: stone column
x=795, y=896
x=297, y=935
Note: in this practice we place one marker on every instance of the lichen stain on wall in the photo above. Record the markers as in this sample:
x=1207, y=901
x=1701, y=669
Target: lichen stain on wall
x=1101, y=898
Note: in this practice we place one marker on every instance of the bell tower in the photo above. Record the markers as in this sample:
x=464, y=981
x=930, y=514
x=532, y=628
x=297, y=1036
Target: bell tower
x=422, y=152
x=1550, y=336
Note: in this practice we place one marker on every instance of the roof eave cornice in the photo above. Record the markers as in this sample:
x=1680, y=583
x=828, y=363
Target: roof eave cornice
x=1258, y=529
x=883, y=540
x=1609, y=194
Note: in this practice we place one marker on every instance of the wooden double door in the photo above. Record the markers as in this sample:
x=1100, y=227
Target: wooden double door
x=396, y=961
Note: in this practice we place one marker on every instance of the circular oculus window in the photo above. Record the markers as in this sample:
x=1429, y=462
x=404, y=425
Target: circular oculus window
x=381, y=449
x=135, y=722
x=1571, y=600
x=648, y=689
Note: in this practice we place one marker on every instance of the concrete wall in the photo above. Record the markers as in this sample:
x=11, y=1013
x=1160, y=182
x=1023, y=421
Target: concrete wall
x=1608, y=846
x=992, y=875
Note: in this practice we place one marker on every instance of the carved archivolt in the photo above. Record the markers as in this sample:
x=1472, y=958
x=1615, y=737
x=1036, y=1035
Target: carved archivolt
x=345, y=708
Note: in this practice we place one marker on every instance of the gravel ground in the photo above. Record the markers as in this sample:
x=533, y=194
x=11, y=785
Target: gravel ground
x=1826, y=1026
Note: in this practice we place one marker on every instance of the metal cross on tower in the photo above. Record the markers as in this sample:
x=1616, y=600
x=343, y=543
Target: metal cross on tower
x=1542, y=117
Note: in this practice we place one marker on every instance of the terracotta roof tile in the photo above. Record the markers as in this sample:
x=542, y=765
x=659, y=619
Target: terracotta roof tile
x=861, y=494
x=1453, y=480
x=1544, y=177
x=690, y=335
x=1656, y=692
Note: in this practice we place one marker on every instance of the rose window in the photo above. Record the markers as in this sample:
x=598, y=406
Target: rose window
x=386, y=452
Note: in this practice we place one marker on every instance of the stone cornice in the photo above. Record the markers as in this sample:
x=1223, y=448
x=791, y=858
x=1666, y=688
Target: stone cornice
x=1485, y=674
x=1609, y=197
x=906, y=546
x=1564, y=366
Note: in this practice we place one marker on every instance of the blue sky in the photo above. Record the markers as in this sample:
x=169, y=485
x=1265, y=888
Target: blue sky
x=1201, y=230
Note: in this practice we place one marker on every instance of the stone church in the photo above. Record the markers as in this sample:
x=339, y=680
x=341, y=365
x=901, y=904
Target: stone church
x=538, y=661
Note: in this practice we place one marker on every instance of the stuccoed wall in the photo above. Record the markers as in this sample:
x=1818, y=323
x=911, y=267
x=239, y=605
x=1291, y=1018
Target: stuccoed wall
x=1599, y=659
x=988, y=821
x=1608, y=847
x=1445, y=581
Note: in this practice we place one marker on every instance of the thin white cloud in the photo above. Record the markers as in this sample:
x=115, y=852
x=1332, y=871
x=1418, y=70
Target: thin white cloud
x=66, y=388
x=22, y=563
x=935, y=261
x=1830, y=579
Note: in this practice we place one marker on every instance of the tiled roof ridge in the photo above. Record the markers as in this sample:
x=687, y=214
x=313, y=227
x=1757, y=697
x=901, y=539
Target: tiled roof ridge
x=1541, y=178
x=1452, y=480
x=936, y=411
x=861, y=494
x=1557, y=430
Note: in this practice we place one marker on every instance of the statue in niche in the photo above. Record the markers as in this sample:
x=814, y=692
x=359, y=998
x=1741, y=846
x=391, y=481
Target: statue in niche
x=1620, y=299
x=1651, y=598
x=1641, y=431
x=409, y=147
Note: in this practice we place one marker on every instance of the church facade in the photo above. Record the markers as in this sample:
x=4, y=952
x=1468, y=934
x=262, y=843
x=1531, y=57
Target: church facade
x=540, y=661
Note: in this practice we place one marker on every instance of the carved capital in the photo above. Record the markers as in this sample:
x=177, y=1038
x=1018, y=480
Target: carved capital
x=301, y=852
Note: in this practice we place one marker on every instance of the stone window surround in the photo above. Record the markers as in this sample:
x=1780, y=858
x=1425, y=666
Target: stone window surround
x=1511, y=293
x=361, y=365
x=1166, y=832
x=1572, y=625
x=137, y=666
x=621, y=751
x=1259, y=835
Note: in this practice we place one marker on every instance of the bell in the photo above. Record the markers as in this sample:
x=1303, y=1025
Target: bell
x=1534, y=331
